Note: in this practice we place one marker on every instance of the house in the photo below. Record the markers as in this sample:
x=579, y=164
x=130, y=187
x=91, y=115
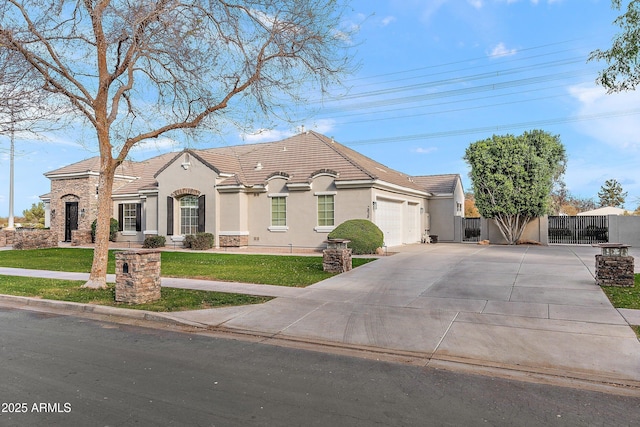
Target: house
x=607, y=210
x=289, y=192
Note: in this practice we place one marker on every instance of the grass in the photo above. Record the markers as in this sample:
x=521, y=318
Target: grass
x=171, y=299
x=625, y=298
x=298, y=271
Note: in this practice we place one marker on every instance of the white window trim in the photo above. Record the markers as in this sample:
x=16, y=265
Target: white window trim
x=324, y=228
x=277, y=228
x=325, y=193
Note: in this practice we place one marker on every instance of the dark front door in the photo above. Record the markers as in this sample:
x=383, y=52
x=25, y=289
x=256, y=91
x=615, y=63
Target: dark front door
x=70, y=219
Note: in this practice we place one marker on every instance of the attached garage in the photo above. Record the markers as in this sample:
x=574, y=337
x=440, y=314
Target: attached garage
x=389, y=219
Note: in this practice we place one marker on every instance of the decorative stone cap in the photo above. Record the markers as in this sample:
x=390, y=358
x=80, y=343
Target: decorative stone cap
x=337, y=243
x=614, y=249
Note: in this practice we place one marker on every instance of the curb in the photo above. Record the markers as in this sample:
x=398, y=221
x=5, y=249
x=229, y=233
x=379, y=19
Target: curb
x=99, y=309
x=592, y=382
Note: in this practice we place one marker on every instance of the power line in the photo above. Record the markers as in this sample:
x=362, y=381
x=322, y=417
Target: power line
x=495, y=128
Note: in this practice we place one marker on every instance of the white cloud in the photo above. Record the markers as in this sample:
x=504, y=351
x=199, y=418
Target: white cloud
x=387, y=20
x=613, y=118
x=501, y=50
x=427, y=150
x=160, y=144
x=323, y=126
x=262, y=135
x=476, y=3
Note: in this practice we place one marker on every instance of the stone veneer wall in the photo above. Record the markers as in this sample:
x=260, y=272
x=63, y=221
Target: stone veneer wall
x=80, y=237
x=336, y=260
x=35, y=239
x=81, y=190
x=614, y=270
x=6, y=237
x=138, y=276
x=233, y=241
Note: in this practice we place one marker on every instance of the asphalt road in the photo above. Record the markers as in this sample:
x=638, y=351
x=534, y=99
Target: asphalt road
x=68, y=371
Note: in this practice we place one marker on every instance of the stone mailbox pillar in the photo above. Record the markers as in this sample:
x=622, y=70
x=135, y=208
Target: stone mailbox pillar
x=337, y=257
x=138, y=276
x=614, y=267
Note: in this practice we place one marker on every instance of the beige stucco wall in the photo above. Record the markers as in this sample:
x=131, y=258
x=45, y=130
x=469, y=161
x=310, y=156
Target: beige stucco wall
x=197, y=176
x=537, y=230
x=302, y=212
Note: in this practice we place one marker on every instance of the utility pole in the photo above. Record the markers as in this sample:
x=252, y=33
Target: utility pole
x=11, y=156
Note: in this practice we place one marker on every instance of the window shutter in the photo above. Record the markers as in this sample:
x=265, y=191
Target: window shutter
x=201, y=214
x=120, y=217
x=138, y=216
x=169, y=216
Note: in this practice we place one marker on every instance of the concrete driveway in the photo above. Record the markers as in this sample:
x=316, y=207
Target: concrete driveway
x=530, y=309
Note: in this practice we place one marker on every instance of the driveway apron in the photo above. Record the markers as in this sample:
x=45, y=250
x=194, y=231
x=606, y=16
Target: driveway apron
x=523, y=307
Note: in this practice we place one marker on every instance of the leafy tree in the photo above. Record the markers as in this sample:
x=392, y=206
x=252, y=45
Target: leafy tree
x=34, y=215
x=470, y=209
x=512, y=178
x=138, y=70
x=623, y=70
x=611, y=194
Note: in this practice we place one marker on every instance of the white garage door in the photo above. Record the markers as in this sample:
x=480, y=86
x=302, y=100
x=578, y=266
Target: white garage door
x=389, y=220
x=413, y=224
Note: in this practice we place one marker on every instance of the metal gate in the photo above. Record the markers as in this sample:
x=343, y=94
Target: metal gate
x=578, y=229
x=471, y=229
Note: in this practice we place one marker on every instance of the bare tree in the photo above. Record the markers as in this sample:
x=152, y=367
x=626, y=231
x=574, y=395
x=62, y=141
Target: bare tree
x=138, y=69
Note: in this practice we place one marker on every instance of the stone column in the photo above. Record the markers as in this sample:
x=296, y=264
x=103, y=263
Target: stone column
x=614, y=267
x=138, y=276
x=337, y=257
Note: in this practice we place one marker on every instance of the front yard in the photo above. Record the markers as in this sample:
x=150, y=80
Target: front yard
x=298, y=271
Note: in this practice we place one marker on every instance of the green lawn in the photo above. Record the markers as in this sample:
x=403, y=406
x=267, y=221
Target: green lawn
x=296, y=271
x=171, y=300
x=625, y=297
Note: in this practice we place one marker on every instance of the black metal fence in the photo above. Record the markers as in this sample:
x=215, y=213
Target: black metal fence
x=471, y=228
x=578, y=229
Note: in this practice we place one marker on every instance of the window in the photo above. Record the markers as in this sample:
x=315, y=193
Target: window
x=188, y=215
x=325, y=210
x=129, y=217
x=278, y=211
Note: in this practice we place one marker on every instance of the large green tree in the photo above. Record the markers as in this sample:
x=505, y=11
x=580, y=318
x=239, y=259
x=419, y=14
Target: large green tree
x=611, y=194
x=135, y=70
x=623, y=68
x=512, y=177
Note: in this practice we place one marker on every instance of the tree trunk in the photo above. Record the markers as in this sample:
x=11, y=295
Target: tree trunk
x=512, y=226
x=98, y=276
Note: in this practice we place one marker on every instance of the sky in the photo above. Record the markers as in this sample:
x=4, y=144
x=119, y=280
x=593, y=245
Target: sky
x=433, y=77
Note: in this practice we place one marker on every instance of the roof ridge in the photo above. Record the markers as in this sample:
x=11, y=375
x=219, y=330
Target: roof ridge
x=332, y=145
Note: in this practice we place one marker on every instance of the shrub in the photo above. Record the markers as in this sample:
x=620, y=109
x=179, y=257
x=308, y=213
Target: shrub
x=365, y=236
x=199, y=241
x=154, y=242
x=113, y=229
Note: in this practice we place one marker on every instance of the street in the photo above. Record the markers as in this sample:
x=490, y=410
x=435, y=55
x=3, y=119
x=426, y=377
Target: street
x=70, y=371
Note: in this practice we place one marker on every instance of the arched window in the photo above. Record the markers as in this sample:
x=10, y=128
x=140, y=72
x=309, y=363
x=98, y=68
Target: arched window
x=188, y=215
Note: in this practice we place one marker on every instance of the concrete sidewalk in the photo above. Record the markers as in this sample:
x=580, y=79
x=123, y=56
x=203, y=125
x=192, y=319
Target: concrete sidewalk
x=527, y=309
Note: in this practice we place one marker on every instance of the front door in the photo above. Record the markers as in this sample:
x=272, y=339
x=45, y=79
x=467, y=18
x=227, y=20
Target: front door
x=70, y=219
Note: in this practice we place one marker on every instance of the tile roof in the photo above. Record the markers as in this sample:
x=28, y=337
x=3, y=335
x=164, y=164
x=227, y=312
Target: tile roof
x=299, y=156
x=438, y=184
